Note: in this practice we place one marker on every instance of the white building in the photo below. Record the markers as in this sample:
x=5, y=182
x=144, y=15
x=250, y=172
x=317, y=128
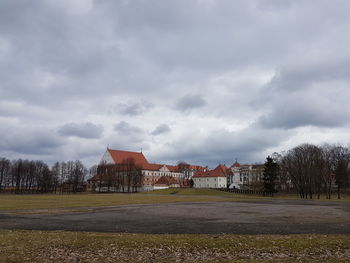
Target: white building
x=216, y=178
x=234, y=179
x=245, y=176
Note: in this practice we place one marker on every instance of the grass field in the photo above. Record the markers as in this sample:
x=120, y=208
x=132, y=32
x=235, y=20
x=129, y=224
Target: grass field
x=47, y=201
x=51, y=201
x=61, y=246
x=41, y=246
x=213, y=192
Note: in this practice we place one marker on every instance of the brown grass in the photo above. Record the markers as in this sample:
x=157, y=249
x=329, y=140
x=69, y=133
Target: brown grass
x=51, y=201
x=20, y=202
x=58, y=246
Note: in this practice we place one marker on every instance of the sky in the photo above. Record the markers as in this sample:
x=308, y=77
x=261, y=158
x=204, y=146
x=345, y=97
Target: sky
x=201, y=81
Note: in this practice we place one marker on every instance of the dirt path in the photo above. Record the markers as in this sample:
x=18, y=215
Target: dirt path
x=260, y=217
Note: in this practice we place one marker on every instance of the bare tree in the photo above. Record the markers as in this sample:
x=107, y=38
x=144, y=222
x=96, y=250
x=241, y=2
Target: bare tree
x=131, y=175
x=184, y=168
x=5, y=166
x=341, y=167
x=304, y=165
x=108, y=176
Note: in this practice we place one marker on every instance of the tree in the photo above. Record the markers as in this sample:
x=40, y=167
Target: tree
x=304, y=165
x=78, y=176
x=191, y=182
x=341, y=171
x=132, y=177
x=271, y=169
x=5, y=166
x=185, y=169
x=108, y=176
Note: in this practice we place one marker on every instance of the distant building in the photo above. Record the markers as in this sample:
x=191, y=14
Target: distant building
x=216, y=178
x=234, y=180
x=151, y=172
x=165, y=182
x=246, y=176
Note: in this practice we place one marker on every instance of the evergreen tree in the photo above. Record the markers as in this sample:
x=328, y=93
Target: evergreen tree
x=270, y=175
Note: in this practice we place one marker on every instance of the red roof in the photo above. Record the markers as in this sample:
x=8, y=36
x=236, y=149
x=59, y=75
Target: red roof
x=119, y=156
x=197, y=167
x=152, y=166
x=236, y=164
x=219, y=171
x=166, y=180
x=173, y=168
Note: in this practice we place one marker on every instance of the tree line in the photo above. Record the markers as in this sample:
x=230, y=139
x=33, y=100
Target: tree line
x=124, y=177
x=310, y=170
x=27, y=176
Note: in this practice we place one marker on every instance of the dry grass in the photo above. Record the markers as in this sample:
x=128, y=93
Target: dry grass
x=56, y=246
x=51, y=201
x=20, y=202
x=213, y=192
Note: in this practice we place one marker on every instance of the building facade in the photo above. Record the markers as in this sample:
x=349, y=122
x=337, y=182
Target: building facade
x=151, y=172
x=216, y=178
x=246, y=176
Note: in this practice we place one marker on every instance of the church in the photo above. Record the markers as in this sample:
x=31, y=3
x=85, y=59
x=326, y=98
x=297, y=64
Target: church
x=154, y=176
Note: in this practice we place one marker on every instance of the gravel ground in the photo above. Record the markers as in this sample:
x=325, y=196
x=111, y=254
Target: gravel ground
x=253, y=217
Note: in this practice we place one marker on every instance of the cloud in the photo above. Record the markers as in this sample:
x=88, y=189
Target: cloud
x=219, y=73
x=307, y=96
x=125, y=128
x=82, y=130
x=161, y=129
x=33, y=142
x=223, y=146
x=134, y=109
x=189, y=102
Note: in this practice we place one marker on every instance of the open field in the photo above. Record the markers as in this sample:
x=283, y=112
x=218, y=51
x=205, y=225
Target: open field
x=239, y=217
x=210, y=192
x=174, y=211
x=184, y=225
x=43, y=246
x=51, y=201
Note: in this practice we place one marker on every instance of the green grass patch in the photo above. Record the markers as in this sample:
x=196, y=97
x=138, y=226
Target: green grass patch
x=59, y=246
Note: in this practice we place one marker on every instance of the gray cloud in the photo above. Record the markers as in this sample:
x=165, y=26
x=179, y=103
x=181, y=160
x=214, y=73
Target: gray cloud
x=212, y=59
x=223, y=146
x=189, y=102
x=83, y=130
x=134, y=109
x=161, y=129
x=307, y=96
x=297, y=113
x=125, y=128
x=35, y=142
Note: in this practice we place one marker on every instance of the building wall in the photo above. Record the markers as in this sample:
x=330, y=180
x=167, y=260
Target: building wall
x=150, y=179
x=247, y=175
x=162, y=173
x=210, y=182
x=235, y=178
x=107, y=158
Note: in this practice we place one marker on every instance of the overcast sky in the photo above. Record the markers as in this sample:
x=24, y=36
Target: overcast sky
x=203, y=81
